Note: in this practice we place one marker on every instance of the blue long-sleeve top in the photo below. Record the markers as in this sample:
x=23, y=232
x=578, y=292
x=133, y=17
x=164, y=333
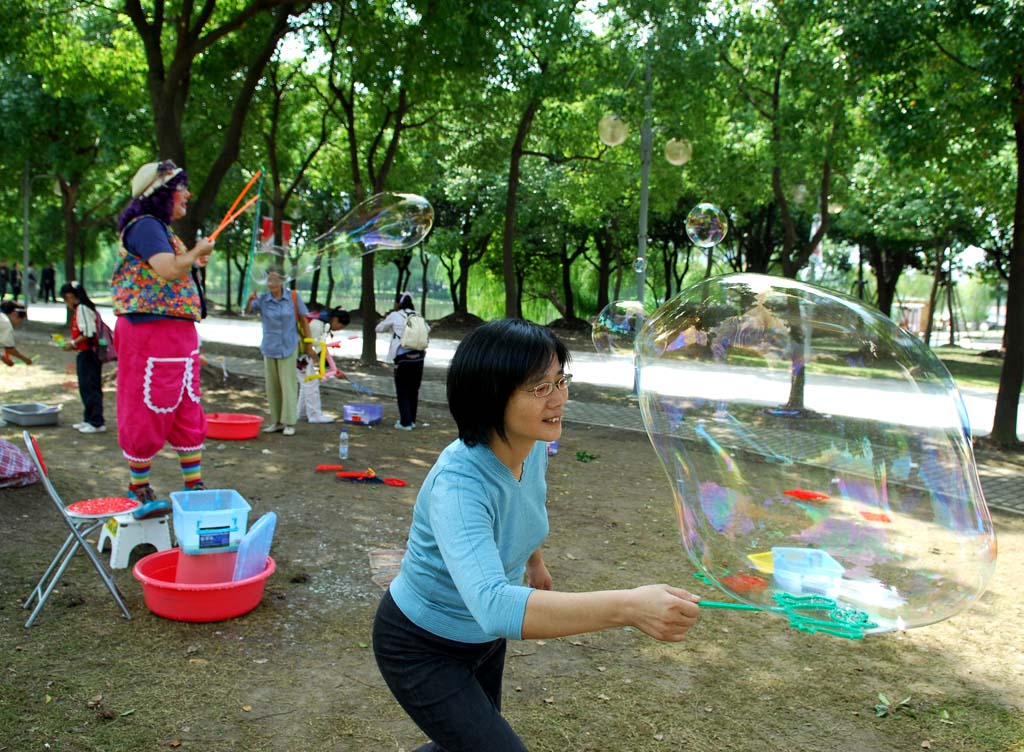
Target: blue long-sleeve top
x=280, y=331
x=473, y=529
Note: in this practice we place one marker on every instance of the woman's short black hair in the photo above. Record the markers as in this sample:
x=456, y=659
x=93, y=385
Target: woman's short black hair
x=341, y=315
x=12, y=306
x=493, y=361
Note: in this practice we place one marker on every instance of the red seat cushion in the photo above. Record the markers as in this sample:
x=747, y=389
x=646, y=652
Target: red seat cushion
x=103, y=507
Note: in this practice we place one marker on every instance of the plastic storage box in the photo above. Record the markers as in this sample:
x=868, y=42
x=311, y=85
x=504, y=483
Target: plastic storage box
x=806, y=571
x=366, y=414
x=210, y=521
x=31, y=414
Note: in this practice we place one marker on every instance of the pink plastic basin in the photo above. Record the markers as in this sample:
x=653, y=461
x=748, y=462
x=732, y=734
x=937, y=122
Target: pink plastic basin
x=196, y=601
x=232, y=426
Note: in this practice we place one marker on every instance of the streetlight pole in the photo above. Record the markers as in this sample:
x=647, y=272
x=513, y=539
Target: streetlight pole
x=26, y=188
x=26, y=194
x=646, y=145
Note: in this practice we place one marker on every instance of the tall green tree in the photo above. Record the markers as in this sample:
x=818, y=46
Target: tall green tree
x=380, y=88
x=292, y=127
x=783, y=62
x=951, y=88
x=234, y=41
x=69, y=116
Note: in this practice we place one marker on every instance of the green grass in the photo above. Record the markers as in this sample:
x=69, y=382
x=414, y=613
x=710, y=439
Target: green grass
x=969, y=368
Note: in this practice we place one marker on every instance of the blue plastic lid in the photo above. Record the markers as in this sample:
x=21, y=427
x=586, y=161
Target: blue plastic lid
x=255, y=547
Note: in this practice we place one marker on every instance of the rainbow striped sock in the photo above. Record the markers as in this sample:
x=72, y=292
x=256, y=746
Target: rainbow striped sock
x=191, y=467
x=140, y=474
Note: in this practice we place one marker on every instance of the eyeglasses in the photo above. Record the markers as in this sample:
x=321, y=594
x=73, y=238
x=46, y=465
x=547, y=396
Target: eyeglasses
x=545, y=388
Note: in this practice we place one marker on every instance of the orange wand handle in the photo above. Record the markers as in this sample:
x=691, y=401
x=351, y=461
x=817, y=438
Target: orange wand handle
x=245, y=190
x=230, y=215
x=228, y=219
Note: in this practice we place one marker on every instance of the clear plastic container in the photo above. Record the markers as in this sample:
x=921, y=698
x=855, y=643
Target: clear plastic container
x=209, y=521
x=806, y=571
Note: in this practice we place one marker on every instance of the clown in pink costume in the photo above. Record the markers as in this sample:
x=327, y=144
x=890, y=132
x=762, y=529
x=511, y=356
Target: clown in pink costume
x=158, y=300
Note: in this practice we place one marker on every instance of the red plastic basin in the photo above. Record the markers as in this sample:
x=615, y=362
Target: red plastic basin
x=190, y=601
x=232, y=426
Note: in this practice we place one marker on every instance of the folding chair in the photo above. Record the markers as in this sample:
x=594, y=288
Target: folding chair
x=81, y=517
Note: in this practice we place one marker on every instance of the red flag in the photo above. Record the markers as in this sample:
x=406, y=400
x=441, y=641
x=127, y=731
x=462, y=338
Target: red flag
x=267, y=231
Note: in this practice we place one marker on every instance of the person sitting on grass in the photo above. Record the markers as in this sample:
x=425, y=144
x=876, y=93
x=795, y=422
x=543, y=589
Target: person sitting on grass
x=12, y=315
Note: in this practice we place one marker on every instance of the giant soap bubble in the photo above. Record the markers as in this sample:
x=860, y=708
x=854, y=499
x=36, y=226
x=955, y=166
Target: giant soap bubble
x=385, y=220
x=615, y=329
x=817, y=456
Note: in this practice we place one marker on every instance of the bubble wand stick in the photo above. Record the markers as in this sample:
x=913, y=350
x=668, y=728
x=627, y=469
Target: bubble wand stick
x=229, y=219
x=231, y=215
x=255, y=235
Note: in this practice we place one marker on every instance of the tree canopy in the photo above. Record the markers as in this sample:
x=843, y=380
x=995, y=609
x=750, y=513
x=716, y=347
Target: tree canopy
x=893, y=133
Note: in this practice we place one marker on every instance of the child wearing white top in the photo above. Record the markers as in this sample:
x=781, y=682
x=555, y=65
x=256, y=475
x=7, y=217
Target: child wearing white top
x=309, y=406
x=12, y=315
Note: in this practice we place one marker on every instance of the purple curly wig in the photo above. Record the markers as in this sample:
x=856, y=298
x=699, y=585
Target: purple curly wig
x=159, y=204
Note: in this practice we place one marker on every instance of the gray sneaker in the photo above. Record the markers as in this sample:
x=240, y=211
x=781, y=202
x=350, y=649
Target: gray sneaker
x=90, y=428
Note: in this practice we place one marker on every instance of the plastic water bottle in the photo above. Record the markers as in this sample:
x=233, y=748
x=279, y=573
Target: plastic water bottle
x=343, y=444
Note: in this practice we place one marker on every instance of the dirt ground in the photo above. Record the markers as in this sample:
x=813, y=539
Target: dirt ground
x=297, y=673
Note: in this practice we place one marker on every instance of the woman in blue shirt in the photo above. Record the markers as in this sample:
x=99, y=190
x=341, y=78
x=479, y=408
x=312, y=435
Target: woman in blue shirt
x=282, y=316
x=440, y=632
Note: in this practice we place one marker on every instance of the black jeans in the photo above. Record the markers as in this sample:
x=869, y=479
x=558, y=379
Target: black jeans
x=408, y=377
x=452, y=690
x=90, y=386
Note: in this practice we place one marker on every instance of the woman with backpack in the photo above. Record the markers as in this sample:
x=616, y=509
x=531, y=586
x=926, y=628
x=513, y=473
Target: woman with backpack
x=409, y=332
x=84, y=328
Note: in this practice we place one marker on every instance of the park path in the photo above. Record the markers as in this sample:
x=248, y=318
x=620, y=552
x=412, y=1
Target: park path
x=1003, y=483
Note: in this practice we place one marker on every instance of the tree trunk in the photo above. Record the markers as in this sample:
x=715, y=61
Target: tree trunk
x=933, y=295
x=617, y=292
x=461, y=301
x=950, y=309
x=512, y=301
x=567, y=260
x=1004, y=424
x=604, y=265
x=70, y=233
x=424, y=266
x=169, y=80
x=520, y=277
